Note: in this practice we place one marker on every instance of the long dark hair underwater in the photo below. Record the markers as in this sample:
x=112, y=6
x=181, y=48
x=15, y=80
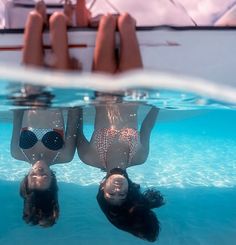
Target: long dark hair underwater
x=135, y=214
x=40, y=206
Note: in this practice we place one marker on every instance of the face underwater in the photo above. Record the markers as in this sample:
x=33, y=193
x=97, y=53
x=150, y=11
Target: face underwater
x=39, y=177
x=116, y=189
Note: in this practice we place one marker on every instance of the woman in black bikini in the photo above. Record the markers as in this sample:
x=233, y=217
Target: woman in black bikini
x=41, y=139
x=116, y=143
x=39, y=135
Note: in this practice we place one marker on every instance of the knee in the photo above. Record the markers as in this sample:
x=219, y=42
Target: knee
x=35, y=18
x=107, y=22
x=58, y=19
x=126, y=20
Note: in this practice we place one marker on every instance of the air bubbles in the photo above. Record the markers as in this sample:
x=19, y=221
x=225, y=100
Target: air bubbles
x=86, y=98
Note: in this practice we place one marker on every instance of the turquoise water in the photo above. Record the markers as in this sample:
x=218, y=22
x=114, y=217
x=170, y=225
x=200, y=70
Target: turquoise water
x=191, y=161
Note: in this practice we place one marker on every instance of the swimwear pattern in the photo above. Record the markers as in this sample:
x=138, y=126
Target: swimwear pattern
x=104, y=138
x=40, y=132
x=51, y=139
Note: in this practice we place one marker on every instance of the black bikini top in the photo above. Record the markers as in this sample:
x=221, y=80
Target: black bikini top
x=51, y=138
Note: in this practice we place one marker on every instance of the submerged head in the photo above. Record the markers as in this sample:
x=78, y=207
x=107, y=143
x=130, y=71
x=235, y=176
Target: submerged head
x=132, y=213
x=39, y=177
x=40, y=204
x=115, y=189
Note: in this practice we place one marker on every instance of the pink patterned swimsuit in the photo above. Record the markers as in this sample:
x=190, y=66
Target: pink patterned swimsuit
x=104, y=138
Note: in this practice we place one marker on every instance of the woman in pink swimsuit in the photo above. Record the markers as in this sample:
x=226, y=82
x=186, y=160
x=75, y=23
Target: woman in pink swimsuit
x=115, y=145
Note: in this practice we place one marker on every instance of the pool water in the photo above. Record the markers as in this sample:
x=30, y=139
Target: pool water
x=191, y=161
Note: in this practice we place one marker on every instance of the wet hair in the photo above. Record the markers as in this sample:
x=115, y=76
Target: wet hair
x=134, y=215
x=40, y=206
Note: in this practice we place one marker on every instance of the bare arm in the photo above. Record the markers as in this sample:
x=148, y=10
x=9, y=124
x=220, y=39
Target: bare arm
x=17, y=123
x=145, y=132
x=68, y=151
x=87, y=153
x=82, y=14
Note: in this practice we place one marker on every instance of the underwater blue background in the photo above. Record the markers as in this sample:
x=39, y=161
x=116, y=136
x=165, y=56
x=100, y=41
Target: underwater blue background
x=192, y=161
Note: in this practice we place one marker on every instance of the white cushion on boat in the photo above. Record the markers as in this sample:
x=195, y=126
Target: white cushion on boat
x=15, y=12
x=146, y=13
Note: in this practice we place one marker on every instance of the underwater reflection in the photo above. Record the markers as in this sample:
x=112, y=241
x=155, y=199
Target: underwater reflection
x=115, y=145
x=29, y=95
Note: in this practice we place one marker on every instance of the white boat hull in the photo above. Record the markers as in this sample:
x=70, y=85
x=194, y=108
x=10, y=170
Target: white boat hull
x=203, y=53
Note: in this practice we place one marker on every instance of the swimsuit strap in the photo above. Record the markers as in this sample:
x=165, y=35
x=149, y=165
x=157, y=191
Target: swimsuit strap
x=55, y=158
x=25, y=155
x=28, y=160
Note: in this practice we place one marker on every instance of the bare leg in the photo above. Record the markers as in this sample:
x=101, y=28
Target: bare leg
x=68, y=11
x=104, y=54
x=82, y=14
x=33, y=45
x=59, y=40
x=130, y=57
